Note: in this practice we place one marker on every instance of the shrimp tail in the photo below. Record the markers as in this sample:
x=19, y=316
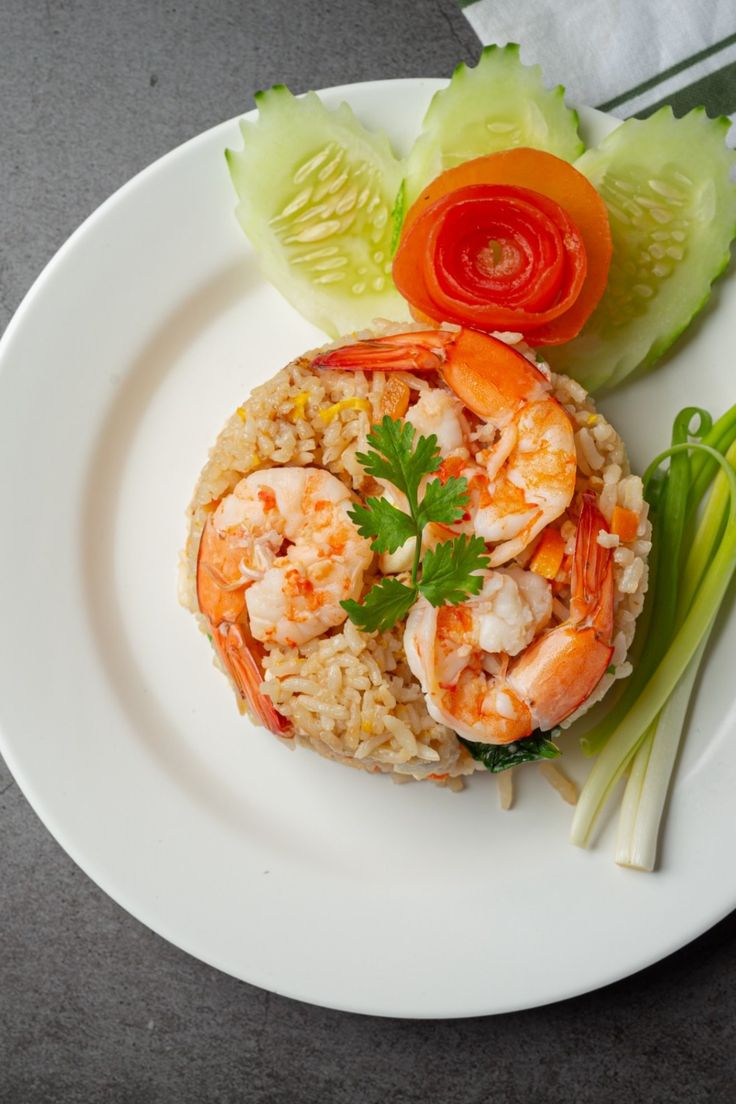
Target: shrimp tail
x=417, y=351
x=563, y=667
x=488, y=375
x=225, y=611
x=240, y=655
x=591, y=584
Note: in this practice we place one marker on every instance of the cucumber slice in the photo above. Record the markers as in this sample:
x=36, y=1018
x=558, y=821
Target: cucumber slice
x=498, y=104
x=672, y=209
x=316, y=191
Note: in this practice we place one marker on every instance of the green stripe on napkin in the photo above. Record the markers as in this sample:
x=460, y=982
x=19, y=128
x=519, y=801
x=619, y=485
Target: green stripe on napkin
x=716, y=93
x=671, y=72
x=630, y=57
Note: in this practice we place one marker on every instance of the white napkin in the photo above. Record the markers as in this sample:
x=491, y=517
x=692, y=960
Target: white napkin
x=623, y=56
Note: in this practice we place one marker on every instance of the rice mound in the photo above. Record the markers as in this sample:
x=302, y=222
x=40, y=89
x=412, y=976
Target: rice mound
x=351, y=695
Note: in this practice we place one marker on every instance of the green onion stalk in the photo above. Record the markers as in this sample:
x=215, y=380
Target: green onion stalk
x=644, y=729
x=668, y=498
x=646, y=791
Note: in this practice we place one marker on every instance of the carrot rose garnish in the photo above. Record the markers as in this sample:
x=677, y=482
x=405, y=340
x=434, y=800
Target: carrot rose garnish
x=517, y=240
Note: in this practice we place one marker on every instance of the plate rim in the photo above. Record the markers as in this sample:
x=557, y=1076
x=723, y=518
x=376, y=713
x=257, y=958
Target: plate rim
x=73, y=848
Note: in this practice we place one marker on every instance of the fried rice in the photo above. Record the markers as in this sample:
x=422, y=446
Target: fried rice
x=350, y=695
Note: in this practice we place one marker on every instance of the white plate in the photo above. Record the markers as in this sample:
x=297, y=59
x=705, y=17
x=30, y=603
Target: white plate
x=290, y=872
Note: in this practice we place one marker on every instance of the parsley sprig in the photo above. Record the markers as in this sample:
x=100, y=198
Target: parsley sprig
x=447, y=575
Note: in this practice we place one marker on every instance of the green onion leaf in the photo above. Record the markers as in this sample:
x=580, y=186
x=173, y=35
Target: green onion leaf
x=500, y=757
x=694, y=621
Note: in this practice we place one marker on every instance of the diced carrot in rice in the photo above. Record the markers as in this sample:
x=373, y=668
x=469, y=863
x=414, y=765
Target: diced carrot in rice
x=395, y=398
x=624, y=523
x=549, y=554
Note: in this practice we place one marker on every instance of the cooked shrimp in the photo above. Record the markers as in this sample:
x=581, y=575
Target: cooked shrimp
x=440, y=412
x=223, y=605
x=526, y=479
x=485, y=671
x=276, y=558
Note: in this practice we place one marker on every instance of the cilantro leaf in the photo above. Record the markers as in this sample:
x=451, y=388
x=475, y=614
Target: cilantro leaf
x=389, y=526
x=385, y=603
x=443, y=502
x=447, y=571
x=398, y=458
x=499, y=757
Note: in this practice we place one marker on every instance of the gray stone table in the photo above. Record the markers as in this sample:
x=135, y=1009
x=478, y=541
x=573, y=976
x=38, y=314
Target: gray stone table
x=93, y=1006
